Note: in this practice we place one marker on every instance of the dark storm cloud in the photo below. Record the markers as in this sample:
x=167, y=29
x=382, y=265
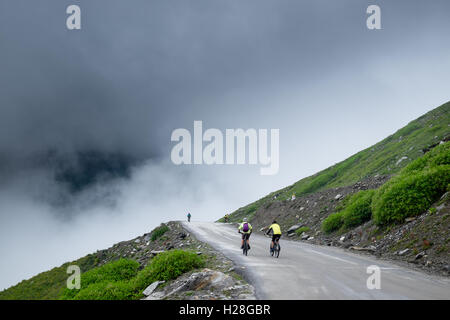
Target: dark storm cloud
x=135, y=69
x=139, y=69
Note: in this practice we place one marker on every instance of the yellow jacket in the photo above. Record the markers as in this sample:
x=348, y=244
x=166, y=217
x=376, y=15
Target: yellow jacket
x=275, y=228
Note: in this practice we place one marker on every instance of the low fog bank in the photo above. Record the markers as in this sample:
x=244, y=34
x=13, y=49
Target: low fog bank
x=38, y=236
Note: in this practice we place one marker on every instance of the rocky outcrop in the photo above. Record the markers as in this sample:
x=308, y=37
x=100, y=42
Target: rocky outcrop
x=206, y=284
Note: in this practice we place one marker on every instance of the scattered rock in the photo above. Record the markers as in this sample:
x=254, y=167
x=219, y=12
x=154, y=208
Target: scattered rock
x=155, y=252
x=400, y=160
x=149, y=290
x=295, y=227
x=419, y=255
x=403, y=252
x=182, y=235
x=338, y=196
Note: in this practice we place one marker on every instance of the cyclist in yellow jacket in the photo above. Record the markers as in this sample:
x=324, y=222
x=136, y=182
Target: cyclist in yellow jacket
x=276, y=233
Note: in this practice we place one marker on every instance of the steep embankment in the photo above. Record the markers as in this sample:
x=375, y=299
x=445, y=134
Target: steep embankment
x=387, y=200
x=168, y=253
x=385, y=158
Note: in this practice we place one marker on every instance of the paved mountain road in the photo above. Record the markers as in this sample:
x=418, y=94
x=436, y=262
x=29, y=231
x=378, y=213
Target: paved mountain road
x=306, y=271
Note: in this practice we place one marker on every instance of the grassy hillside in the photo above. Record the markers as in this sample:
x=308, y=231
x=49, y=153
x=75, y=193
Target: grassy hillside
x=49, y=284
x=387, y=157
x=52, y=284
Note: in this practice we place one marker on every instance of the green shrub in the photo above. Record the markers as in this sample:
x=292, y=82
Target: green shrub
x=106, y=290
x=355, y=211
x=159, y=231
x=409, y=194
x=358, y=209
x=333, y=222
x=166, y=266
x=437, y=156
x=299, y=231
x=120, y=270
x=120, y=280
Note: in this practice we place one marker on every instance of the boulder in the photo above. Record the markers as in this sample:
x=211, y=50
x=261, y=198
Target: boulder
x=400, y=160
x=419, y=255
x=149, y=290
x=294, y=228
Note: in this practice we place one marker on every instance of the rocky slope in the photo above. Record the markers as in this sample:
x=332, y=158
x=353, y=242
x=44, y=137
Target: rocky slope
x=217, y=281
x=421, y=241
x=385, y=158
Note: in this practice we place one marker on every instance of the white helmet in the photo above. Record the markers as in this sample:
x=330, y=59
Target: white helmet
x=245, y=219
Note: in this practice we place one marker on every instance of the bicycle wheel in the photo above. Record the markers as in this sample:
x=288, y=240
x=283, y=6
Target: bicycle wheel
x=278, y=250
x=245, y=250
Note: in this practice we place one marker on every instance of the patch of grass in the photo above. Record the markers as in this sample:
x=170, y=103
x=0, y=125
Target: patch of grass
x=167, y=266
x=236, y=276
x=333, y=222
x=104, y=278
x=121, y=280
x=414, y=190
x=47, y=285
x=358, y=209
x=159, y=231
x=299, y=231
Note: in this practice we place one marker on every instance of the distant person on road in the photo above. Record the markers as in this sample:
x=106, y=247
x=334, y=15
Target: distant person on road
x=189, y=217
x=246, y=229
x=227, y=217
x=293, y=197
x=276, y=233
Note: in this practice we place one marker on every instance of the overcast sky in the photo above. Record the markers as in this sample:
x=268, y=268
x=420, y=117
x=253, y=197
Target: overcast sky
x=139, y=69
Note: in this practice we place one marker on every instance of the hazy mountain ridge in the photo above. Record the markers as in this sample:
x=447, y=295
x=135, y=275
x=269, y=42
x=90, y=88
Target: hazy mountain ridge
x=387, y=157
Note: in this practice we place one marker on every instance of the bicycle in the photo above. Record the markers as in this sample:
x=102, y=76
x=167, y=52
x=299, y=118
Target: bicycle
x=275, y=251
x=245, y=247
